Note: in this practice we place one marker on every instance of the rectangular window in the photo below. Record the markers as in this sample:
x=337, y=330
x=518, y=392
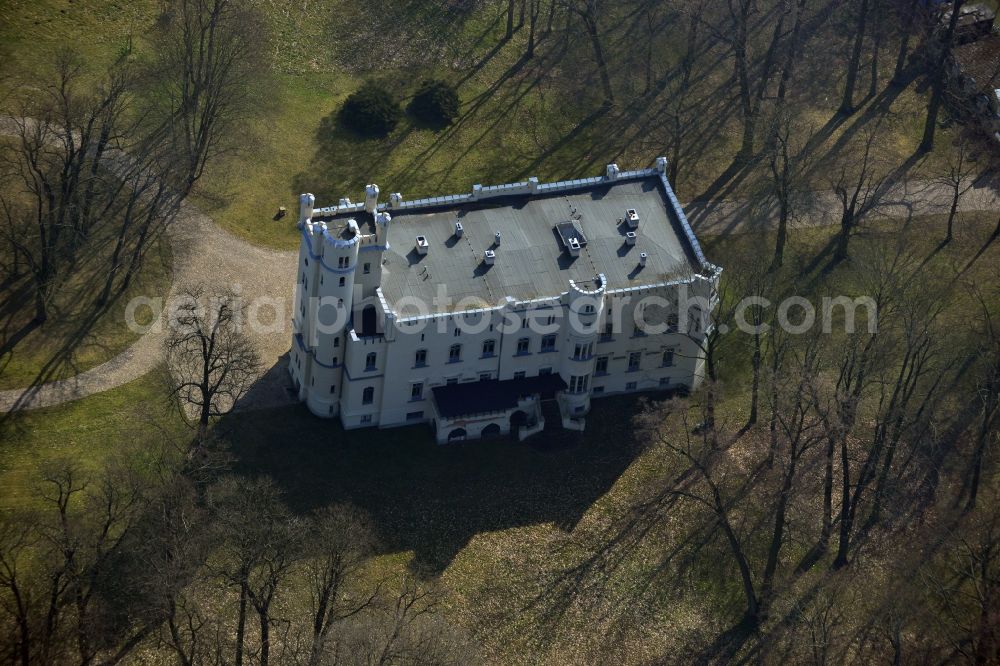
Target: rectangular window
x=455, y=354
x=332, y=389
x=608, y=329
x=630, y=386
x=370, y=361
x=343, y=281
x=367, y=269
x=520, y=374
x=488, y=347
x=367, y=418
x=544, y=371
x=368, y=396
x=420, y=358
x=549, y=343
x=633, y=361
x=601, y=368
x=522, y=345
x=578, y=383
x=417, y=391
x=668, y=358
x=414, y=416
x=485, y=376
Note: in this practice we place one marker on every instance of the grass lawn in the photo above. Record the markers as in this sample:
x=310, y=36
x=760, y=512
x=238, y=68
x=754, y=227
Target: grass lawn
x=132, y=421
x=72, y=341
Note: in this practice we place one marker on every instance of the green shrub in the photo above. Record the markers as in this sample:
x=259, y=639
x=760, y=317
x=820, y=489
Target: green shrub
x=370, y=111
x=436, y=104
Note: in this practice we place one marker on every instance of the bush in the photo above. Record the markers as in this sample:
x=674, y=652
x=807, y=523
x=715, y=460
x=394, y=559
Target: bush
x=436, y=103
x=370, y=111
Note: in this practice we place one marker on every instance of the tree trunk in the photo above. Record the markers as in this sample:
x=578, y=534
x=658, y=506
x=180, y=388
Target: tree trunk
x=847, y=103
x=876, y=48
x=956, y=194
x=602, y=66
x=755, y=386
x=510, y=20
x=241, y=622
x=532, y=22
x=937, y=87
x=845, y=509
x=265, y=636
x=827, y=528
x=904, y=43
x=844, y=238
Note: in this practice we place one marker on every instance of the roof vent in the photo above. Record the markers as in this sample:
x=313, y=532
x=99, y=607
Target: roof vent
x=459, y=230
x=573, y=245
x=489, y=257
x=630, y=237
x=422, y=245
x=632, y=217
x=642, y=258
x=496, y=238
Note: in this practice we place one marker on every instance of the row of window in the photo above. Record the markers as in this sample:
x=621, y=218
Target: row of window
x=489, y=349
x=342, y=262
x=634, y=362
x=581, y=352
x=577, y=383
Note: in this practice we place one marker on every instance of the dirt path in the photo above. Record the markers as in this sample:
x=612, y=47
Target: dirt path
x=823, y=208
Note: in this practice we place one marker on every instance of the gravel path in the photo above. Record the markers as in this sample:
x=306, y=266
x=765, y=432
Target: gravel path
x=204, y=253
x=824, y=208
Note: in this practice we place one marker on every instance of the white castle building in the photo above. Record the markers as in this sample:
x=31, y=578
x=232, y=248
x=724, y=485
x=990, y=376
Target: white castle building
x=500, y=310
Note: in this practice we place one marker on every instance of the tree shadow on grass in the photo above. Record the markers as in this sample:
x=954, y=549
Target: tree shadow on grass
x=427, y=498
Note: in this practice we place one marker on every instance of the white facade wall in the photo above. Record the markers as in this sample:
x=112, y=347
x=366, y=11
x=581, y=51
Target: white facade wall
x=369, y=380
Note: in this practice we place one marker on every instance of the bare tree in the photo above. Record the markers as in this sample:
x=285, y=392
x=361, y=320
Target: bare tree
x=340, y=539
x=63, y=140
x=589, y=12
x=210, y=69
x=937, y=76
x=211, y=359
x=959, y=180
x=858, y=186
x=854, y=64
x=259, y=542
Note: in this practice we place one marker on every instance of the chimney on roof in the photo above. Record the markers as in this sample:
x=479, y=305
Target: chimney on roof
x=642, y=258
x=459, y=230
x=496, y=238
x=422, y=245
x=632, y=217
x=489, y=257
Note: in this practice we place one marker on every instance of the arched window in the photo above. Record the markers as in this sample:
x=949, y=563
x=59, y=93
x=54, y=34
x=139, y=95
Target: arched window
x=368, y=396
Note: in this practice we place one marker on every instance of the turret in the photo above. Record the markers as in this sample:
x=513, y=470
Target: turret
x=382, y=221
x=371, y=199
x=586, y=302
x=306, y=204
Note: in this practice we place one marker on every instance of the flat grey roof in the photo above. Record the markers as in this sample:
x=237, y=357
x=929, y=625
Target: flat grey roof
x=531, y=261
